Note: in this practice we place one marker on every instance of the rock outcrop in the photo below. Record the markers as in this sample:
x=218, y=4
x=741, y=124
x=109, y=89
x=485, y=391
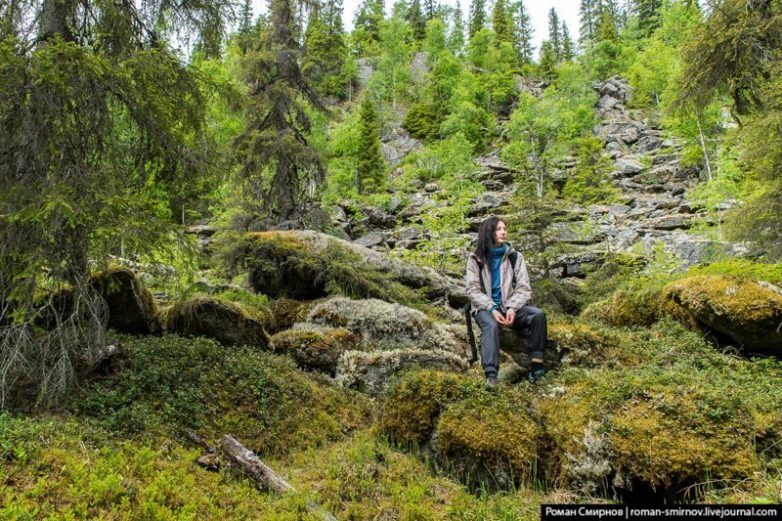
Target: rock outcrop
x=742, y=310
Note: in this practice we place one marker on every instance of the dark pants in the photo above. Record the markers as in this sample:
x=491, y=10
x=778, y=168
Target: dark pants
x=527, y=316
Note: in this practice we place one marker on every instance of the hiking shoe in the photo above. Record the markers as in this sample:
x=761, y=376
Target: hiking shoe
x=536, y=375
x=491, y=382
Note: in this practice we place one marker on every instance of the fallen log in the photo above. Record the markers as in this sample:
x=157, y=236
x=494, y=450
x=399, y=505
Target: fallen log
x=262, y=474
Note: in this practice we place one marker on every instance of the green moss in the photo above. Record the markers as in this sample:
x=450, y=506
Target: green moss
x=170, y=384
x=228, y=322
x=592, y=346
x=413, y=404
x=695, y=420
x=317, y=349
x=288, y=312
x=490, y=442
x=282, y=264
x=742, y=309
x=629, y=307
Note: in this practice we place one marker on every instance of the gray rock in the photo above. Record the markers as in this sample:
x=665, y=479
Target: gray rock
x=396, y=145
x=629, y=166
x=365, y=69
x=371, y=240
x=371, y=372
x=418, y=66
x=432, y=187
x=573, y=233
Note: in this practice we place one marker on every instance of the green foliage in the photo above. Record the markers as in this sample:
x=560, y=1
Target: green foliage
x=169, y=384
x=589, y=182
x=540, y=131
x=423, y=121
x=393, y=72
x=325, y=61
x=370, y=168
x=366, y=33
x=278, y=161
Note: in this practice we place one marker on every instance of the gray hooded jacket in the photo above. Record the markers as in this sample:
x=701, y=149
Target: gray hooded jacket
x=512, y=298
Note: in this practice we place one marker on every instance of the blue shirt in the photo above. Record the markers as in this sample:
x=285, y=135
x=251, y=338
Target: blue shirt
x=496, y=260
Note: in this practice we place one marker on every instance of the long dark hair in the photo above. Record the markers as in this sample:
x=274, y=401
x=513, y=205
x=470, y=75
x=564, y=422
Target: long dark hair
x=486, y=238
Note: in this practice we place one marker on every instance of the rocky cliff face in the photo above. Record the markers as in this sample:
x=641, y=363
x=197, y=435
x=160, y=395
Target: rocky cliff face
x=653, y=208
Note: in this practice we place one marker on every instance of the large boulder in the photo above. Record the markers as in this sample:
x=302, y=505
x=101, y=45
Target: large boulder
x=650, y=432
x=486, y=439
x=229, y=323
x=370, y=372
x=381, y=325
x=742, y=310
x=131, y=305
x=315, y=347
x=307, y=265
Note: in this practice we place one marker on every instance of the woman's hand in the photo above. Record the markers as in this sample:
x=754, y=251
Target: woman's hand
x=499, y=317
x=504, y=320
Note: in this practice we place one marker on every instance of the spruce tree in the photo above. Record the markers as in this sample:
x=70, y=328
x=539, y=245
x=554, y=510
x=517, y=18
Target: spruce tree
x=548, y=60
x=456, y=34
x=523, y=32
x=245, y=24
x=369, y=167
x=277, y=123
x=648, y=12
x=325, y=54
x=607, y=29
x=101, y=121
x=501, y=23
x=589, y=23
x=366, y=25
x=415, y=17
x=568, y=50
x=477, y=16
x=430, y=9
x=554, y=34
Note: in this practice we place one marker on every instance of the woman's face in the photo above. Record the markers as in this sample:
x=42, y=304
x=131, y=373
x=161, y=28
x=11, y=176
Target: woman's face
x=499, y=234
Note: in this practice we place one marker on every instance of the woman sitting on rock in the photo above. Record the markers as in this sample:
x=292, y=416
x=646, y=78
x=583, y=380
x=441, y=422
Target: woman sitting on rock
x=498, y=287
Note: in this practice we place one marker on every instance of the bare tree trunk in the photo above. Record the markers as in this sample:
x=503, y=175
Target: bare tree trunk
x=703, y=147
x=393, y=87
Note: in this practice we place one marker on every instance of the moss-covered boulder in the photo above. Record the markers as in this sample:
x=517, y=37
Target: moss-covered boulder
x=654, y=430
x=629, y=307
x=742, y=310
x=490, y=442
x=315, y=347
x=586, y=345
x=307, y=265
x=287, y=312
x=410, y=410
x=486, y=438
x=229, y=323
x=370, y=372
x=385, y=326
x=131, y=305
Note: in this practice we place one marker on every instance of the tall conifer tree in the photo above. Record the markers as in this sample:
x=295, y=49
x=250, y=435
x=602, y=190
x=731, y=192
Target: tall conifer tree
x=477, y=16
x=568, y=48
x=456, y=33
x=501, y=22
x=523, y=32
x=555, y=34
x=370, y=165
x=415, y=17
x=589, y=23
x=277, y=123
